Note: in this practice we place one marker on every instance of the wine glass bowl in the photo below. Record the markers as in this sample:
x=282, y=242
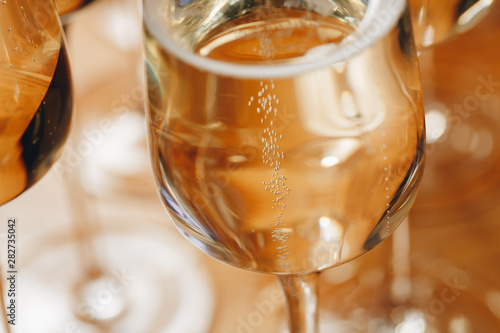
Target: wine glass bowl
x=306, y=160
x=285, y=138
x=35, y=94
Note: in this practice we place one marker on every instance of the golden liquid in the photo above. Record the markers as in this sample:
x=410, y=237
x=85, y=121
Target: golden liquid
x=35, y=95
x=283, y=37
x=437, y=21
x=283, y=175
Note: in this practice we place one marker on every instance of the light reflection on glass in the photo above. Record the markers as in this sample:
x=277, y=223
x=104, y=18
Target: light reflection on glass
x=329, y=161
x=435, y=122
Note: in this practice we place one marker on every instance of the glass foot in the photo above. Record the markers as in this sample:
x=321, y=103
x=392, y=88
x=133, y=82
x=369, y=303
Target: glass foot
x=151, y=281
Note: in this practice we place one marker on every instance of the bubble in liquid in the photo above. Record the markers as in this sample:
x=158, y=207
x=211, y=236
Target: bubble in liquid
x=271, y=156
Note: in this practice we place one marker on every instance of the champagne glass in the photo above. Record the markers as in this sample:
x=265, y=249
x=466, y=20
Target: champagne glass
x=436, y=22
x=104, y=283
x=285, y=137
x=459, y=193
x=454, y=99
x=35, y=95
x=457, y=69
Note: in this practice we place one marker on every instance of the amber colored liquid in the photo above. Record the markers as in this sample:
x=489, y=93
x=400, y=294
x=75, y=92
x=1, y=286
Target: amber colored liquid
x=33, y=126
x=281, y=175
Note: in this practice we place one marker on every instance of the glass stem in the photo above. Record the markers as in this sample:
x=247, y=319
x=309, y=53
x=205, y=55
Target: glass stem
x=85, y=226
x=301, y=295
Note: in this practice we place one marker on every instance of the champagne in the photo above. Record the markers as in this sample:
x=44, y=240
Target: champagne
x=264, y=174
x=437, y=21
x=35, y=96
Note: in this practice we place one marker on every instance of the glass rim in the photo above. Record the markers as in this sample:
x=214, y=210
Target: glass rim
x=380, y=17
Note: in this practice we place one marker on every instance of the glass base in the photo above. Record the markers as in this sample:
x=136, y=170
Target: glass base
x=150, y=282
